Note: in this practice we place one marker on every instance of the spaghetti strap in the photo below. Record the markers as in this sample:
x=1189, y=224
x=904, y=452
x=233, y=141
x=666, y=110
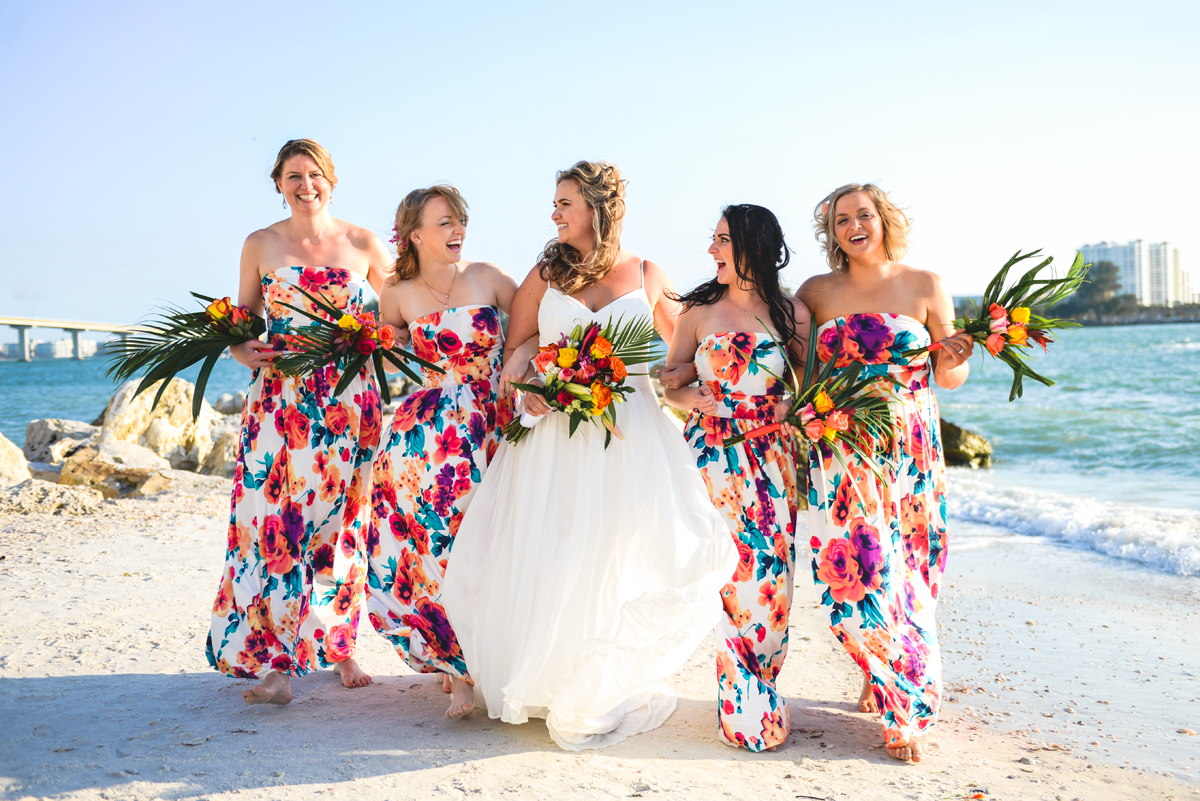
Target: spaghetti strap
x=642, y=273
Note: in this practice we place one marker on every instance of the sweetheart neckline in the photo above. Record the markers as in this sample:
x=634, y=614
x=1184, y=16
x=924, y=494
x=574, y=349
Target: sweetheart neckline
x=583, y=305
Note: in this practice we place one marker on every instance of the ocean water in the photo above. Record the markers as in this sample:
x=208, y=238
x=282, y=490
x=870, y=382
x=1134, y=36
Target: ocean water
x=1106, y=460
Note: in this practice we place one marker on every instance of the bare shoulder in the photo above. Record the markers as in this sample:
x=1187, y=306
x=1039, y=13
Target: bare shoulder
x=800, y=312
x=482, y=269
x=360, y=238
x=923, y=281
x=816, y=285
x=534, y=283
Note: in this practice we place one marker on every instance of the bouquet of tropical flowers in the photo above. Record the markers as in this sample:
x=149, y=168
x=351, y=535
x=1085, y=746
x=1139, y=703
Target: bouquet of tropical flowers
x=177, y=339
x=585, y=372
x=350, y=340
x=1008, y=323
x=843, y=408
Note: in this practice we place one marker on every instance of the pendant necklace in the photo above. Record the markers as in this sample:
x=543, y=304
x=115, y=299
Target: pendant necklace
x=436, y=294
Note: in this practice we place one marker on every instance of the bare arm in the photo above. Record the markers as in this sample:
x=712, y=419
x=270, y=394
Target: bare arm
x=683, y=350
x=252, y=354
x=523, y=330
x=950, y=368
x=378, y=264
x=665, y=310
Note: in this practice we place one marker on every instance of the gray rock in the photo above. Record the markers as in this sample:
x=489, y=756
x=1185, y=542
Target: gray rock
x=231, y=403
x=13, y=469
x=42, y=497
x=167, y=429
x=52, y=440
x=965, y=448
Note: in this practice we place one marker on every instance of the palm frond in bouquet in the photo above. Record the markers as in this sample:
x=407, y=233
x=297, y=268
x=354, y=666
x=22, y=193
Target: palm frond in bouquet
x=844, y=408
x=351, y=341
x=174, y=340
x=585, y=372
x=1005, y=322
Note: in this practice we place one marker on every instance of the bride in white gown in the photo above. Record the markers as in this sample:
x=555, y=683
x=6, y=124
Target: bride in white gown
x=582, y=576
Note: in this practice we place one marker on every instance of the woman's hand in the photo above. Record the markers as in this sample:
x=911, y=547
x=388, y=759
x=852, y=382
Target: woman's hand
x=703, y=400
x=517, y=369
x=781, y=411
x=535, y=405
x=677, y=376
x=253, y=354
x=956, y=349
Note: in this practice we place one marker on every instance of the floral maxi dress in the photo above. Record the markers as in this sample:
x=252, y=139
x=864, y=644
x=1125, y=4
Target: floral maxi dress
x=442, y=440
x=292, y=585
x=753, y=486
x=879, y=547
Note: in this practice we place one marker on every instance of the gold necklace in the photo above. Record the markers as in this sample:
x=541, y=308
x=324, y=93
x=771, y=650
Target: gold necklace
x=435, y=292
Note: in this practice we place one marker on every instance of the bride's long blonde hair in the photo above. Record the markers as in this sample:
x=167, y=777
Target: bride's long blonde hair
x=603, y=189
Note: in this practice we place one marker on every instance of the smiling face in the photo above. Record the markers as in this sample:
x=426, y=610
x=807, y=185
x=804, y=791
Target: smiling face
x=721, y=250
x=304, y=185
x=441, y=233
x=857, y=226
x=573, y=217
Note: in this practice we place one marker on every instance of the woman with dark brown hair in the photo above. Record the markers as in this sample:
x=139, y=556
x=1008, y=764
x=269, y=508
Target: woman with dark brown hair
x=583, y=575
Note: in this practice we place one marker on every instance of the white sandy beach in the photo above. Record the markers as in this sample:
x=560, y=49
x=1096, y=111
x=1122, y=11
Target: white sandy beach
x=105, y=692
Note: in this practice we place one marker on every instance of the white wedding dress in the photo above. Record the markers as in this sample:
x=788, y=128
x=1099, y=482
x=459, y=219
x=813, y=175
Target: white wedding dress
x=582, y=577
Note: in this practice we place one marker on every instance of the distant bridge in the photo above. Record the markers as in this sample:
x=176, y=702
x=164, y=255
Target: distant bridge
x=23, y=324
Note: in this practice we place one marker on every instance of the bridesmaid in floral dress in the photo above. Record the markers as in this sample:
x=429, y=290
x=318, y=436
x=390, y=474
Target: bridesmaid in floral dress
x=752, y=484
x=294, y=575
x=443, y=436
x=879, y=547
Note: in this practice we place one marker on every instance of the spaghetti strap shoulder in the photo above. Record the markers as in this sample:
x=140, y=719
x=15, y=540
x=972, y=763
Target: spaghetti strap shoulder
x=642, y=272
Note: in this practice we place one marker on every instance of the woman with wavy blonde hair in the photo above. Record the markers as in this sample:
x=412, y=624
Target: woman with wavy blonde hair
x=583, y=575
x=879, y=544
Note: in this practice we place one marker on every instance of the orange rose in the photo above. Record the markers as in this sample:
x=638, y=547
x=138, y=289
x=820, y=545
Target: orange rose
x=618, y=368
x=219, y=308
x=995, y=343
x=601, y=348
x=387, y=337
x=1016, y=334
x=543, y=360
x=601, y=395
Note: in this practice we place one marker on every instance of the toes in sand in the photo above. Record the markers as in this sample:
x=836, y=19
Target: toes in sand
x=866, y=699
x=352, y=675
x=462, y=699
x=446, y=683
x=276, y=688
x=910, y=751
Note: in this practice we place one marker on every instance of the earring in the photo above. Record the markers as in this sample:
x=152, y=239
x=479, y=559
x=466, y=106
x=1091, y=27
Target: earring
x=285, y=202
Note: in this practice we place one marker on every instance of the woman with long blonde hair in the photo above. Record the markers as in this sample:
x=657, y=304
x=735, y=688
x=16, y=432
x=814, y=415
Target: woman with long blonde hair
x=583, y=575
x=878, y=530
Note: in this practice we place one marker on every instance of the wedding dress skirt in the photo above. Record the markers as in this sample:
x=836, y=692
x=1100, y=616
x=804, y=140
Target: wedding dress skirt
x=582, y=576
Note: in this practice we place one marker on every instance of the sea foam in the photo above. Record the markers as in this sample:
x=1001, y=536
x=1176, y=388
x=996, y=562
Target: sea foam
x=1165, y=539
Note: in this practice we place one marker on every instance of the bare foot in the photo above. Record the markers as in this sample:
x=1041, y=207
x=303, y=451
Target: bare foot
x=866, y=699
x=446, y=683
x=352, y=675
x=276, y=688
x=906, y=751
x=462, y=699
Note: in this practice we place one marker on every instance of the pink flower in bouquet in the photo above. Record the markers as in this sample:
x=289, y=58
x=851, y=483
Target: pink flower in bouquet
x=995, y=343
x=999, y=324
x=807, y=413
x=814, y=429
x=543, y=360
x=366, y=346
x=566, y=374
x=585, y=374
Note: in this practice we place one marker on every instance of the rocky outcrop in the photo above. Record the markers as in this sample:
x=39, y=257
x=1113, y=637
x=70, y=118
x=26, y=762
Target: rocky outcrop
x=965, y=448
x=168, y=430
x=231, y=403
x=13, y=469
x=113, y=468
x=181, y=481
x=225, y=434
x=41, y=497
x=52, y=440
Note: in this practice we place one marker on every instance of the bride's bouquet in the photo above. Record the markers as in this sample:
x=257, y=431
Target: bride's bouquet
x=1007, y=325
x=177, y=339
x=855, y=412
x=350, y=341
x=584, y=374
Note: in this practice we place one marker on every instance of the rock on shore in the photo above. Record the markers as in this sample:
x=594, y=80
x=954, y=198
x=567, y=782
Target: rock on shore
x=965, y=448
x=13, y=469
x=42, y=497
x=168, y=429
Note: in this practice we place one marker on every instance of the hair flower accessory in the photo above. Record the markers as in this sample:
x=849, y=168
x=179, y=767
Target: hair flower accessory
x=397, y=240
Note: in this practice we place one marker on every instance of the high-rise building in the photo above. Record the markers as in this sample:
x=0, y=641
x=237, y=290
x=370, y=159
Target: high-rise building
x=1133, y=262
x=1161, y=274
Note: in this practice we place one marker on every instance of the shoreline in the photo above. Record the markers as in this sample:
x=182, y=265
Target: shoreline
x=105, y=685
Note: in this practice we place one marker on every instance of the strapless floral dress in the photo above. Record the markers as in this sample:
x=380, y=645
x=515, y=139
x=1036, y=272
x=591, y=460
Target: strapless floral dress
x=438, y=449
x=753, y=486
x=879, y=547
x=292, y=586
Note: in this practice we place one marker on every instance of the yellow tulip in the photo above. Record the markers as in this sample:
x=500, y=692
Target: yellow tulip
x=1020, y=315
x=348, y=323
x=823, y=403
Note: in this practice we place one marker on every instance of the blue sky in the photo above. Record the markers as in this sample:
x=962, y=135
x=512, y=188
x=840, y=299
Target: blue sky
x=137, y=136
